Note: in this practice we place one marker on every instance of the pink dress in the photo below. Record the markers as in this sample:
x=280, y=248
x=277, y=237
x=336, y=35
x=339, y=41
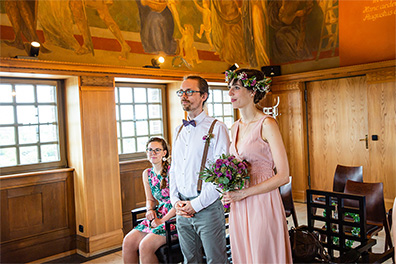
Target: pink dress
x=258, y=228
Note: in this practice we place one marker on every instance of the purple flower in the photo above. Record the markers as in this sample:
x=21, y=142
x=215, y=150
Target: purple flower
x=253, y=82
x=226, y=206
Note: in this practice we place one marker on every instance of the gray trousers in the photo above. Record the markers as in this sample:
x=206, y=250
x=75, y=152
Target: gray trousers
x=205, y=229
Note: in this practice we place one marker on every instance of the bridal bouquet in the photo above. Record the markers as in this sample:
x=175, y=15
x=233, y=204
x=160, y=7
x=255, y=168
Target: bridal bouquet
x=227, y=173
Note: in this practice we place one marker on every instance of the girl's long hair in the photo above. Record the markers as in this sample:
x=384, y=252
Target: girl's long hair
x=165, y=162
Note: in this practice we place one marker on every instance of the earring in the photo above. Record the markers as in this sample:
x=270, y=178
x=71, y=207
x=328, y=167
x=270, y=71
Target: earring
x=252, y=95
x=164, y=158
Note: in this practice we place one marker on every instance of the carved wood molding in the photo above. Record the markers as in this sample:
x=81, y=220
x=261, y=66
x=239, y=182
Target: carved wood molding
x=334, y=73
x=385, y=75
x=33, y=178
x=287, y=86
x=67, y=69
x=103, y=81
x=97, y=88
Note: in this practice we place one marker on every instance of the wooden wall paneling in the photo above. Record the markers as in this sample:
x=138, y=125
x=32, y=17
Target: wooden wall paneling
x=101, y=167
x=74, y=145
x=381, y=92
x=337, y=120
x=37, y=215
x=93, y=151
x=132, y=191
x=292, y=126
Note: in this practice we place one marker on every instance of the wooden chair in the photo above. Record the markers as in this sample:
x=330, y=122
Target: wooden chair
x=335, y=224
x=287, y=199
x=375, y=207
x=170, y=252
x=344, y=173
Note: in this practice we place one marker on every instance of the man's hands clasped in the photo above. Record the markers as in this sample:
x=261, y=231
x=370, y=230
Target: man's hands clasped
x=184, y=208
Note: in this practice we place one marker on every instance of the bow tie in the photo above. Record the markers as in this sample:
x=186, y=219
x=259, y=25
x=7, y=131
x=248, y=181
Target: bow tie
x=192, y=122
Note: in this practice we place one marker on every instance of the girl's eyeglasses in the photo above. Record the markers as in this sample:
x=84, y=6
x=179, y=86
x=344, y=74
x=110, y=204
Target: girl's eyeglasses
x=188, y=92
x=149, y=150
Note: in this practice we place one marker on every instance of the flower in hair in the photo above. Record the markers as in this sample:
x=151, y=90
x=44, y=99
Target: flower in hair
x=262, y=85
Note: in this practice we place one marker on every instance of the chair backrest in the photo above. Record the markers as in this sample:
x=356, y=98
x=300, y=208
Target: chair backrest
x=334, y=223
x=375, y=204
x=287, y=199
x=375, y=207
x=344, y=173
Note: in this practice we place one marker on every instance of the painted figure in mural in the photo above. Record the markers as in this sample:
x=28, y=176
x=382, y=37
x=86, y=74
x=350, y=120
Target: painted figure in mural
x=232, y=19
x=157, y=26
x=330, y=19
x=23, y=17
x=227, y=30
x=254, y=14
x=172, y=5
x=54, y=15
x=186, y=46
x=60, y=14
x=288, y=18
x=102, y=7
x=206, y=26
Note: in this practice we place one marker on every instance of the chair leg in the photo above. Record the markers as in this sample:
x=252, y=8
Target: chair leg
x=294, y=215
x=388, y=239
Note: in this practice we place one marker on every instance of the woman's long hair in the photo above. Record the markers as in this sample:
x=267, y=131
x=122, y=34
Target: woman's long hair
x=165, y=160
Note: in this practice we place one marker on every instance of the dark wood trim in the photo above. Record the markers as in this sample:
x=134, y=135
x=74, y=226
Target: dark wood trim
x=132, y=191
x=82, y=243
x=46, y=225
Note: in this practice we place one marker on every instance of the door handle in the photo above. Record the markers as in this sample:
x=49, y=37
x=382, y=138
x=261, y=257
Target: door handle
x=365, y=139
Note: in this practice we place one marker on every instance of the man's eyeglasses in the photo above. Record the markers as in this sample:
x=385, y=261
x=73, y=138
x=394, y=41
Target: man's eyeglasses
x=153, y=150
x=188, y=92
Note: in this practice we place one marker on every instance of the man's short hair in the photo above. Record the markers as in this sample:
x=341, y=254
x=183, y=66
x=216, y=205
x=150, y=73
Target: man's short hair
x=202, y=84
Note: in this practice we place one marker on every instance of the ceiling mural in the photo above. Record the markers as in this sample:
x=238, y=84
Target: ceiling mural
x=201, y=35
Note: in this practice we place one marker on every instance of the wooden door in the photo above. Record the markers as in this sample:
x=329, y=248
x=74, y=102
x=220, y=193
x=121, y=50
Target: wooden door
x=382, y=131
x=337, y=122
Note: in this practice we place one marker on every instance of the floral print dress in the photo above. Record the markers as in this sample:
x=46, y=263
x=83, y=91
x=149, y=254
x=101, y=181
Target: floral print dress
x=164, y=204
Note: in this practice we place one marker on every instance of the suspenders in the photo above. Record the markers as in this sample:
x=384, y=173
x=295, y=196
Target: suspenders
x=205, y=152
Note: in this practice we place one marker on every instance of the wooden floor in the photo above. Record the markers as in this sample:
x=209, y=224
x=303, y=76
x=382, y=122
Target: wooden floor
x=116, y=256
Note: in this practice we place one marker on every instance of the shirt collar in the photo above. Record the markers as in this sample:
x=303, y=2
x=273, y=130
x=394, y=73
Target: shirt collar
x=198, y=119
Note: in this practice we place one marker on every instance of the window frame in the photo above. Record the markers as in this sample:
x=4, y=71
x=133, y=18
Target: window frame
x=223, y=88
x=164, y=119
x=62, y=162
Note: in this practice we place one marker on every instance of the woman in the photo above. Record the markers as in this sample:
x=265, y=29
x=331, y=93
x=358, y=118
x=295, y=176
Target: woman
x=258, y=229
x=149, y=235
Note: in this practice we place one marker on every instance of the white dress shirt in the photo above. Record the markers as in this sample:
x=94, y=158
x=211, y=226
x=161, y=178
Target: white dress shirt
x=187, y=151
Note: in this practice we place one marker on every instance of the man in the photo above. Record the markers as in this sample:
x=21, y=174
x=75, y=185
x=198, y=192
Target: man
x=200, y=214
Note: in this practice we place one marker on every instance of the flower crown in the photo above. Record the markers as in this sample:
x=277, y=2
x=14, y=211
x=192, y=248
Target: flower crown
x=262, y=85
